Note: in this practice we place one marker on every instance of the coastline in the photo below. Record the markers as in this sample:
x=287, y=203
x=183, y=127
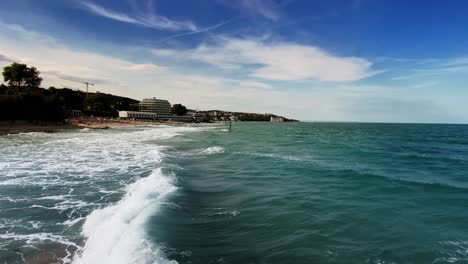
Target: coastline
x=91, y=123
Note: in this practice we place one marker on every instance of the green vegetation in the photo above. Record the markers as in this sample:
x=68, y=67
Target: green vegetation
x=23, y=99
x=179, y=109
x=19, y=75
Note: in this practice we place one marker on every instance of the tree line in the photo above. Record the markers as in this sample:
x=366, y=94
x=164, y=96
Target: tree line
x=23, y=99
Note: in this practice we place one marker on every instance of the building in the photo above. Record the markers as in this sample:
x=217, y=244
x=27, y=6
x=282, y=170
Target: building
x=199, y=117
x=158, y=106
x=73, y=113
x=277, y=119
x=137, y=115
x=184, y=118
x=153, y=116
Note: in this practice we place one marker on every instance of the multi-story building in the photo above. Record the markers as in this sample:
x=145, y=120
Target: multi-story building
x=137, y=115
x=158, y=106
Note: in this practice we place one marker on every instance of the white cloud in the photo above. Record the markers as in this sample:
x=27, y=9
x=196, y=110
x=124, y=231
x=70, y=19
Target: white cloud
x=255, y=84
x=276, y=60
x=62, y=65
x=146, y=67
x=148, y=19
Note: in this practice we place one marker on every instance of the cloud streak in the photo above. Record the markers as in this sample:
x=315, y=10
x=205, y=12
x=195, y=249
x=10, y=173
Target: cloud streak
x=266, y=8
x=194, y=32
x=147, y=20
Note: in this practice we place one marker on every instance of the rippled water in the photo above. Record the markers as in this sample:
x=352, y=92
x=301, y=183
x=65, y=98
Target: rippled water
x=262, y=193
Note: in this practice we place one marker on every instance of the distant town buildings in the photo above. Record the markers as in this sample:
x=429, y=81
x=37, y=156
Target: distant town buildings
x=200, y=117
x=227, y=116
x=159, y=109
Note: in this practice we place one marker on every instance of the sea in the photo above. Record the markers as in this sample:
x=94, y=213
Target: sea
x=255, y=193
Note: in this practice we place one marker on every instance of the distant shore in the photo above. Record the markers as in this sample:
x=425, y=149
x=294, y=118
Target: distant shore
x=91, y=123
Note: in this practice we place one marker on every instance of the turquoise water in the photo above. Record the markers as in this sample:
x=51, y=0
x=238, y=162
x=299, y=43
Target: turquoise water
x=262, y=193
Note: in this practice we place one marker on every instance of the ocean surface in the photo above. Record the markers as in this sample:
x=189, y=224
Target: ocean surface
x=261, y=193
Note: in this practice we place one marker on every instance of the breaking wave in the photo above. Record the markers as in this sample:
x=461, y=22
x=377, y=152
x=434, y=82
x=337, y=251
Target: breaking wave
x=115, y=234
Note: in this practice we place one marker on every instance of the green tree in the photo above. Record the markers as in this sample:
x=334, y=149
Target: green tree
x=20, y=75
x=179, y=109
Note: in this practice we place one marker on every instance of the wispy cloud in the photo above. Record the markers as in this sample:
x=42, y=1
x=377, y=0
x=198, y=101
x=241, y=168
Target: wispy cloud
x=147, y=19
x=194, y=32
x=275, y=60
x=412, y=69
x=267, y=8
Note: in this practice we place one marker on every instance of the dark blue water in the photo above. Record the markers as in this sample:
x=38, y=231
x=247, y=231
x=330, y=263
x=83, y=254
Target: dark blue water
x=261, y=193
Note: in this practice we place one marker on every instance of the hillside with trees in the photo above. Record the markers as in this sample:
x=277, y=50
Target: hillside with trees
x=23, y=99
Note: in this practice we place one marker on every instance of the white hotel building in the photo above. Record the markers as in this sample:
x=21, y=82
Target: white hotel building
x=154, y=109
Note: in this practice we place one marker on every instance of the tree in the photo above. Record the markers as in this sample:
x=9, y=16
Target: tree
x=179, y=109
x=20, y=75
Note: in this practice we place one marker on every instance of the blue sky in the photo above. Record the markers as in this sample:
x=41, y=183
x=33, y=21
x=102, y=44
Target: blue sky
x=353, y=60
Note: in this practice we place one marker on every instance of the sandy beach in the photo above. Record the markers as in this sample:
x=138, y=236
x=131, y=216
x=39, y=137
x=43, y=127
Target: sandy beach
x=92, y=123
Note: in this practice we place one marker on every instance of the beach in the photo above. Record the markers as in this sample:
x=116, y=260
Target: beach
x=90, y=122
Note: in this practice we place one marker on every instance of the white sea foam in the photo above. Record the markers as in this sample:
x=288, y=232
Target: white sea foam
x=31, y=239
x=233, y=213
x=72, y=222
x=107, y=163
x=212, y=150
x=115, y=234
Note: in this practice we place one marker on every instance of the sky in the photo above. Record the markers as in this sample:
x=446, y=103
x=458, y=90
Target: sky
x=335, y=60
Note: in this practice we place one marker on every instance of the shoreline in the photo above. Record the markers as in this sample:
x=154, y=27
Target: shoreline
x=18, y=127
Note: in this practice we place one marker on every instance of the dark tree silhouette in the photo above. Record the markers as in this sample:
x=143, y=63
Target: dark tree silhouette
x=179, y=109
x=20, y=75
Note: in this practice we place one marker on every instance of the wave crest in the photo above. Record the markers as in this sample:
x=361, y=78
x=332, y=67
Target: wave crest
x=115, y=234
